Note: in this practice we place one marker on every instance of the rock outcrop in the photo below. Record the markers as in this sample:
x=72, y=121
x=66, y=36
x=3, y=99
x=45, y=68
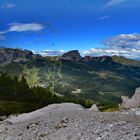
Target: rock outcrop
x=73, y=55
x=94, y=108
x=103, y=59
x=87, y=59
x=8, y=55
x=71, y=122
x=134, y=102
x=98, y=60
x=2, y=118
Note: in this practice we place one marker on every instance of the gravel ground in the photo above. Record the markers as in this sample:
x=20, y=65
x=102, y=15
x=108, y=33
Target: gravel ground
x=72, y=122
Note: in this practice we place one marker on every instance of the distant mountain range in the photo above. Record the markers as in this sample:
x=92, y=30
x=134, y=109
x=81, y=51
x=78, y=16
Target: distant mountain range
x=126, y=61
x=8, y=55
x=102, y=79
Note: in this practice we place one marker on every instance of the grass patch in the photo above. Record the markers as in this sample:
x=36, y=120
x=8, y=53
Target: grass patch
x=109, y=107
x=14, y=107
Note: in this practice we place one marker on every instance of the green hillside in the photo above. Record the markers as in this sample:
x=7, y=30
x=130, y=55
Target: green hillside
x=126, y=61
x=103, y=82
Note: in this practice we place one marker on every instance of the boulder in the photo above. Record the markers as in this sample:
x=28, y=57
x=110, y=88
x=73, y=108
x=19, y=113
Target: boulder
x=134, y=102
x=2, y=118
x=94, y=108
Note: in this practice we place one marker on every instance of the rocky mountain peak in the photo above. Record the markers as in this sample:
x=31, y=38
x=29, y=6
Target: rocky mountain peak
x=73, y=55
x=103, y=59
x=8, y=55
x=87, y=58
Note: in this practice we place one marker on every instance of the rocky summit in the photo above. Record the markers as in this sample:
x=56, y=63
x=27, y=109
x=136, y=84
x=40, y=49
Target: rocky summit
x=72, y=122
x=8, y=55
x=73, y=55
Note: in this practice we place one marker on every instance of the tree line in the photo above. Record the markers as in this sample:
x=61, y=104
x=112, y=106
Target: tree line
x=17, y=97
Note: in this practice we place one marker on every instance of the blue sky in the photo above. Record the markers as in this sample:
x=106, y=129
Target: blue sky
x=94, y=27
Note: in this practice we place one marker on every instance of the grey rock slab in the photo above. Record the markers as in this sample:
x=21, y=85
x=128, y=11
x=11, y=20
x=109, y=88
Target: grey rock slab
x=71, y=122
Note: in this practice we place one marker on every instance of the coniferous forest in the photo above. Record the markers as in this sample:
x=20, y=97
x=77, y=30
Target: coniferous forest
x=17, y=97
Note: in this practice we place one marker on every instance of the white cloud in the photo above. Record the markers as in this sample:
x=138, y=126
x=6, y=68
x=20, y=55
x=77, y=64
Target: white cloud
x=129, y=53
x=111, y=3
x=123, y=41
x=7, y=5
x=127, y=45
x=23, y=27
x=50, y=52
x=104, y=17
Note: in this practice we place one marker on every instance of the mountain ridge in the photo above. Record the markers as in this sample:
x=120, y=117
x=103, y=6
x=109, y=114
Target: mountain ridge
x=8, y=55
x=100, y=79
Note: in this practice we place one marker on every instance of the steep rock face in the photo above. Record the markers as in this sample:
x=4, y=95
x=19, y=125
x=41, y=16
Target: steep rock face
x=8, y=55
x=73, y=55
x=134, y=102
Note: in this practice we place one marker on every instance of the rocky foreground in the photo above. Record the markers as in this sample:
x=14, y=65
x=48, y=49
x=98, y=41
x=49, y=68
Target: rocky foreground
x=72, y=122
